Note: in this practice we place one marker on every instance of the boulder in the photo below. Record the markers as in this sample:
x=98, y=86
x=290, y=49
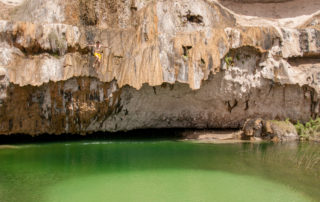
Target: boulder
x=253, y=128
x=283, y=131
x=257, y=129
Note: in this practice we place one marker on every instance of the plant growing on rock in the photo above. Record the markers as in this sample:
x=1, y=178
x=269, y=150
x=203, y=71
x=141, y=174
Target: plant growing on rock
x=309, y=130
x=229, y=61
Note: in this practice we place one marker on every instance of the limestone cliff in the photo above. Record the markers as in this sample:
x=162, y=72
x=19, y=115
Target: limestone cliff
x=170, y=63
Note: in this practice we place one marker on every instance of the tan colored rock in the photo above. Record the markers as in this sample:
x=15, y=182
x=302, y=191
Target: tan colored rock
x=253, y=128
x=269, y=130
x=284, y=131
x=179, y=63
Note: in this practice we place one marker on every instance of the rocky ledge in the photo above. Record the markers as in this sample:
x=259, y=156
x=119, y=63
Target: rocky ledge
x=170, y=64
x=254, y=130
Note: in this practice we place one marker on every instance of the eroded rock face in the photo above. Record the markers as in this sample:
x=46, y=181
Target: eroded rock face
x=179, y=63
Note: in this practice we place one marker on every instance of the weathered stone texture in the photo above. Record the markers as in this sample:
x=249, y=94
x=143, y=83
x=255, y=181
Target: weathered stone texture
x=170, y=63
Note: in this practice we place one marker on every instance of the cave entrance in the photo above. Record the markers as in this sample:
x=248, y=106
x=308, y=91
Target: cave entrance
x=141, y=134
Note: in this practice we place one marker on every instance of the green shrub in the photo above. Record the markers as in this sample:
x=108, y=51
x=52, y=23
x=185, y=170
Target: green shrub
x=228, y=60
x=309, y=129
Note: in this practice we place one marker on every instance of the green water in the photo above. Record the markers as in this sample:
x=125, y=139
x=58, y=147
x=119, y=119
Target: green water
x=160, y=171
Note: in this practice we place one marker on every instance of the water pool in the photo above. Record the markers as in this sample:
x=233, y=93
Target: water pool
x=160, y=171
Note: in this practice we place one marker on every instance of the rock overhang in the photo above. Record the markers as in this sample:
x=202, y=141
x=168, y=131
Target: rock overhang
x=200, y=44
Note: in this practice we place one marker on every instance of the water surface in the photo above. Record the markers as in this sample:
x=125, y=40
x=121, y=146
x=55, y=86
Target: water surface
x=160, y=171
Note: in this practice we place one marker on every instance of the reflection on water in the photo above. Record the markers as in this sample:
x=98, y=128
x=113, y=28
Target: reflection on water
x=31, y=170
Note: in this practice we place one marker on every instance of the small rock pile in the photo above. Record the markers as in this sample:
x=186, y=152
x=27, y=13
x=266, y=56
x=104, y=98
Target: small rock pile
x=259, y=129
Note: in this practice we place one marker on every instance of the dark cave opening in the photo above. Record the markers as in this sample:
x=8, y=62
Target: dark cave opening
x=139, y=134
x=133, y=135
